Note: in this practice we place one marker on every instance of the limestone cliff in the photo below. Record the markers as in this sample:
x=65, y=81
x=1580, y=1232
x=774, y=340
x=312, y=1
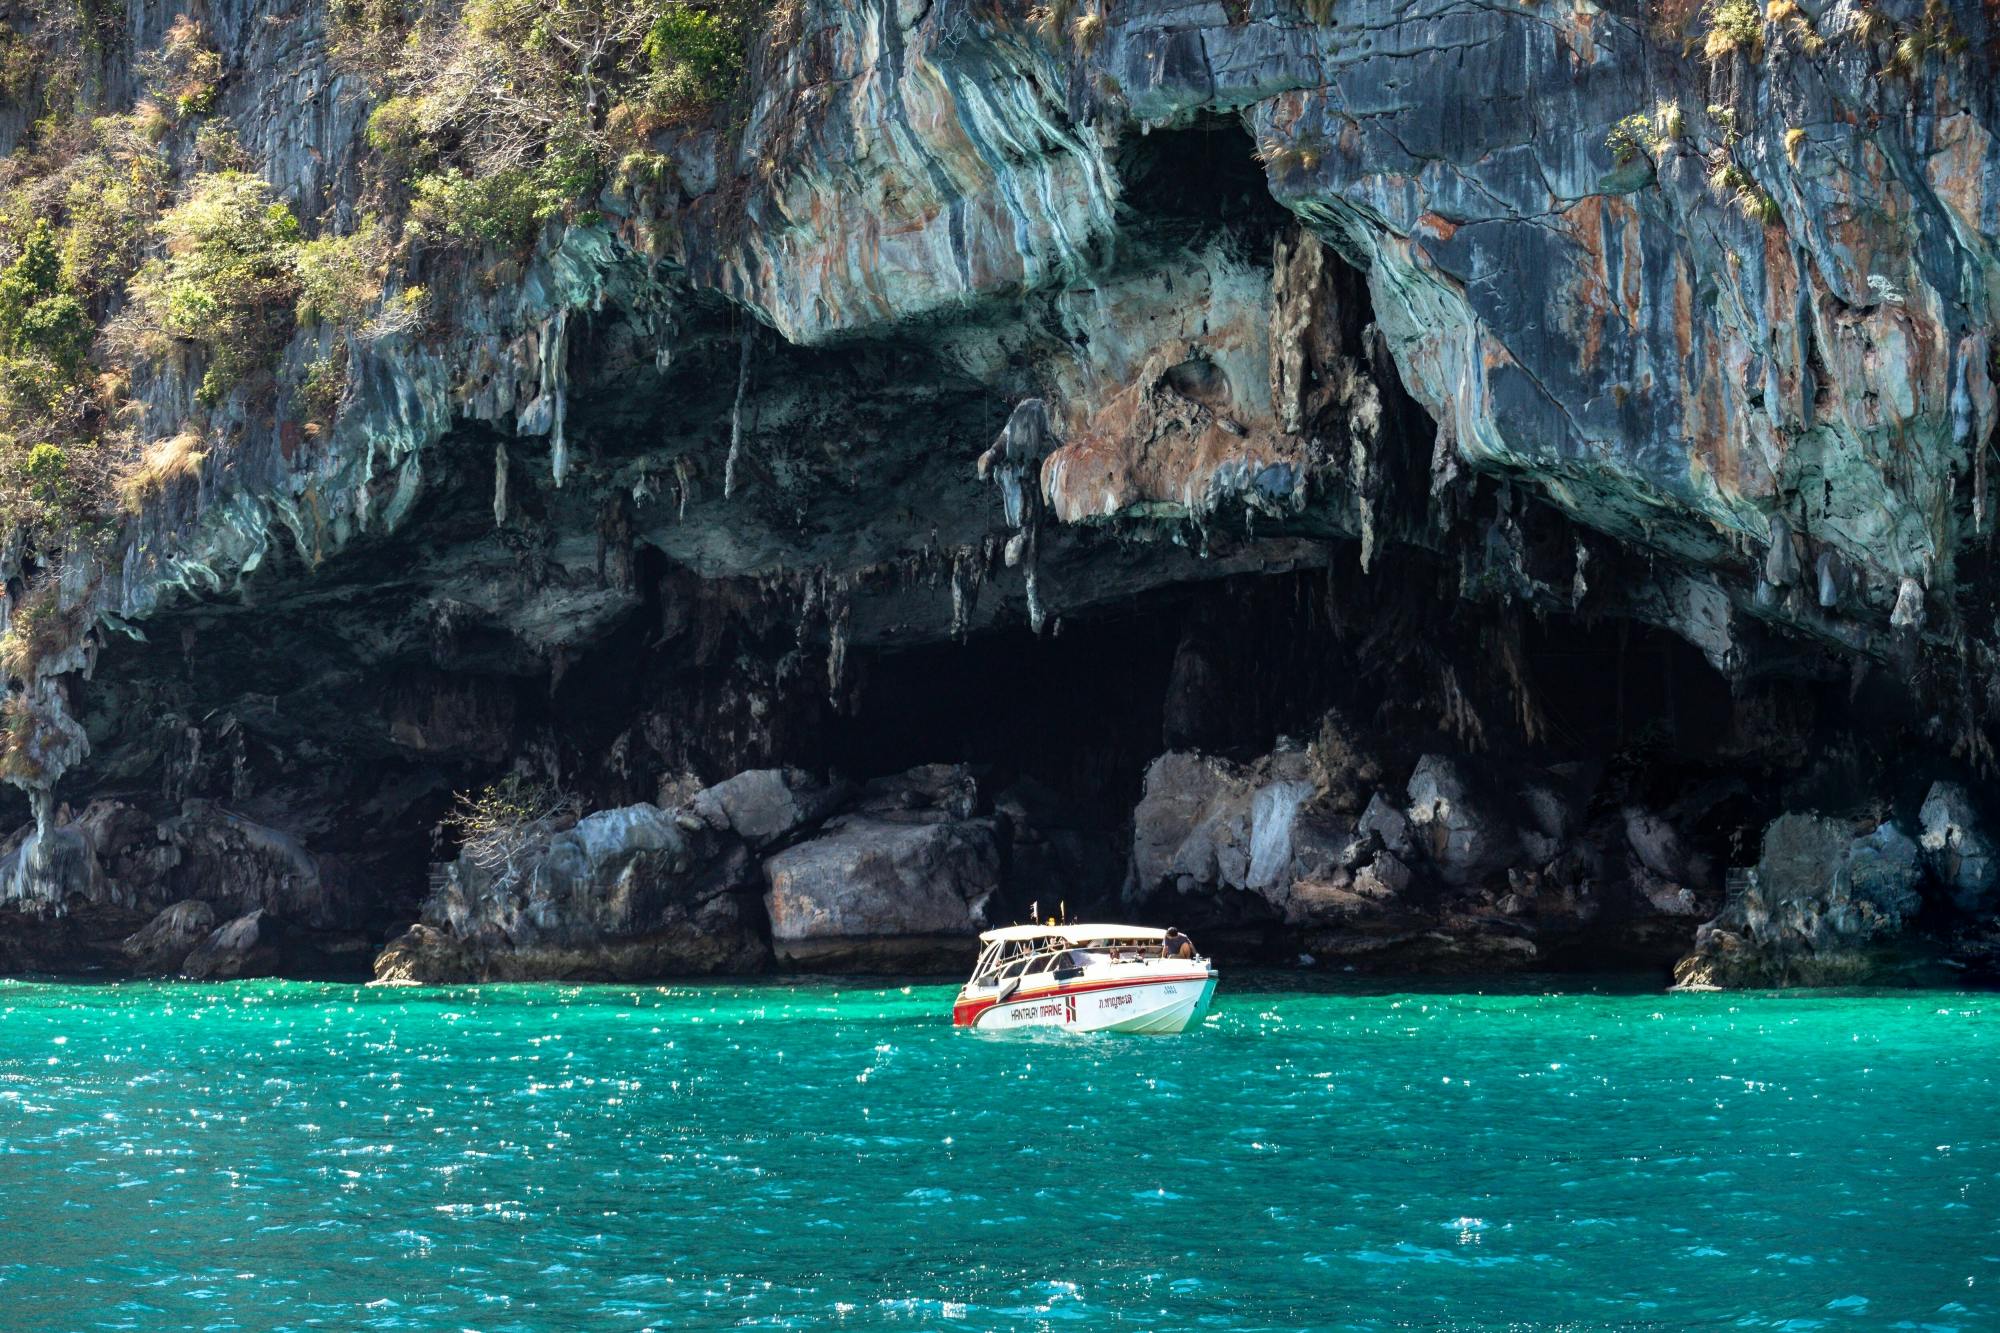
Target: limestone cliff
x=1569, y=423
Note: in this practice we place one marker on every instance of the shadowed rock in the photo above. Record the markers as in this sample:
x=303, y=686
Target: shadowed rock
x=1822, y=907
x=249, y=946
x=159, y=948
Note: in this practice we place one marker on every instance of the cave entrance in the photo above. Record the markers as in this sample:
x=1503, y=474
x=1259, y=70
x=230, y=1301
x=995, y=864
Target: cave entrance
x=1187, y=184
x=1078, y=712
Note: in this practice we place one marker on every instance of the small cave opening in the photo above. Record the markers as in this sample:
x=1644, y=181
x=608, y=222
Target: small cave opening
x=1187, y=183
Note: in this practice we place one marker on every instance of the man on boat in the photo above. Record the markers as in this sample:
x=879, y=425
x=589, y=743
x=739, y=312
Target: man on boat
x=1176, y=945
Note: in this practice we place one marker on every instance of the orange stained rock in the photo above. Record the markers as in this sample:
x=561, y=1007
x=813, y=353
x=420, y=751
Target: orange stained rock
x=1956, y=170
x=1430, y=226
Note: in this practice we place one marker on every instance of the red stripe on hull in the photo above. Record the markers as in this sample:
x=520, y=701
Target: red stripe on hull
x=965, y=1013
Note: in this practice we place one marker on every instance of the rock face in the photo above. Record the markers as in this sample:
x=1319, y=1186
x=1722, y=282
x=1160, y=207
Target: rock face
x=1824, y=906
x=1438, y=875
x=163, y=944
x=1957, y=849
x=765, y=806
x=1595, y=402
x=876, y=895
x=901, y=882
x=624, y=893
x=246, y=947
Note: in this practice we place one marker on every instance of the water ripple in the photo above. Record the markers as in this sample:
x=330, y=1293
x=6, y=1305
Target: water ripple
x=277, y=1155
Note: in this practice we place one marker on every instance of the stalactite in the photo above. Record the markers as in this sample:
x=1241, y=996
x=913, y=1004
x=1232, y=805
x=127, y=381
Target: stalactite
x=555, y=375
x=500, y=484
x=736, y=413
x=836, y=648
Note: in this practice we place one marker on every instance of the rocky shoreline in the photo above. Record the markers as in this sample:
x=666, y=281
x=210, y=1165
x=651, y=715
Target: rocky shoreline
x=1308, y=856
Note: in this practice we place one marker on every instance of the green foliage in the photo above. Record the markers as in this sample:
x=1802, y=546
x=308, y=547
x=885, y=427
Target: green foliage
x=39, y=317
x=20, y=66
x=505, y=207
x=1741, y=189
x=1936, y=35
x=186, y=71
x=508, y=114
x=339, y=277
x=216, y=144
x=364, y=36
x=1734, y=25
x=1644, y=132
x=696, y=55
x=47, y=484
x=227, y=281
x=395, y=130
x=324, y=384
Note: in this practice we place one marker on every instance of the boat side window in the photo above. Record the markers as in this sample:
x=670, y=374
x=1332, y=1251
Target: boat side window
x=1014, y=969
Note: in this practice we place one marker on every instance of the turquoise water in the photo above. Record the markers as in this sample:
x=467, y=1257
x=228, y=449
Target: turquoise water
x=273, y=1155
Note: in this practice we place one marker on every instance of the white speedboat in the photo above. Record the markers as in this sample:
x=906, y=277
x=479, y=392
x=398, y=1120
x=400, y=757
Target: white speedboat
x=1086, y=978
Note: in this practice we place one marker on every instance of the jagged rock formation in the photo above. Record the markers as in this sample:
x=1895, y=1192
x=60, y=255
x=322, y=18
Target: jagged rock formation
x=1602, y=421
x=1433, y=871
x=1823, y=906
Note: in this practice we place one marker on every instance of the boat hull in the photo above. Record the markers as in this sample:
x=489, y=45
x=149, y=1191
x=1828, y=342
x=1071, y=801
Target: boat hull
x=1153, y=1005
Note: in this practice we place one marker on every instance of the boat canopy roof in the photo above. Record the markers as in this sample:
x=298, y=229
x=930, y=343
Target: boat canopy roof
x=1086, y=934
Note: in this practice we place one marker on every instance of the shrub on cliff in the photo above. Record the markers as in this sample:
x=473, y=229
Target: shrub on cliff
x=696, y=57
x=226, y=282
x=501, y=115
x=496, y=825
x=40, y=316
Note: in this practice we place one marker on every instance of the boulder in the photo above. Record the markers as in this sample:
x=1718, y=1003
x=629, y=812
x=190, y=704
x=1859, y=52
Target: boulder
x=765, y=806
x=1823, y=906
x=423, y=955
x=620, y=895
x=1655, y=843
x=1207, y=826
x=249, y=946
x=1957, y=849
x=1191, y=828
x=874, y=894
x=1464, y=839
x=931, y=792
x=159, y=947
x=1388, y=824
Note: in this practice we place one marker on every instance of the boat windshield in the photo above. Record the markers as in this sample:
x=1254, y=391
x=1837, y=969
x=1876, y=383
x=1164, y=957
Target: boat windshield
x=1007, y=959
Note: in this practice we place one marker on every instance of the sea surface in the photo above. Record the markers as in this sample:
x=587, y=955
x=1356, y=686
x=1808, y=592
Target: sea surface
x=282, y=1155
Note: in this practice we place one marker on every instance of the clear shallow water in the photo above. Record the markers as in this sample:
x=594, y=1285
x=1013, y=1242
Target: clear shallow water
x=284, y=1155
